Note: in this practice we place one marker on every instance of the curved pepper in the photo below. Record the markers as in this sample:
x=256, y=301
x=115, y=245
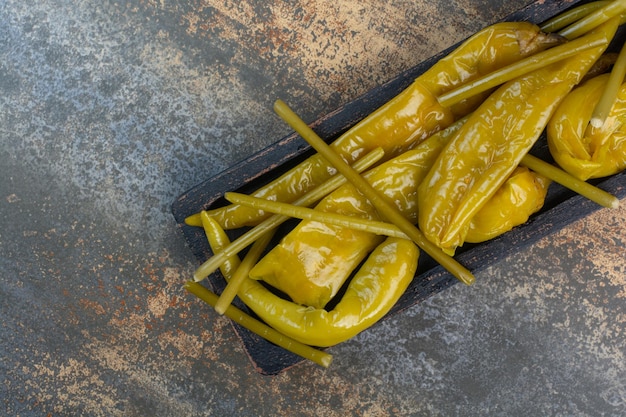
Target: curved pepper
x=407, y=119
x=375, y=288
x=522, y=194
x=593, y=153
x=491, y=144
x=312, y=261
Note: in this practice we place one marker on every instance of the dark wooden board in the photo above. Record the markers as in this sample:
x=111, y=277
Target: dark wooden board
x=562, y=206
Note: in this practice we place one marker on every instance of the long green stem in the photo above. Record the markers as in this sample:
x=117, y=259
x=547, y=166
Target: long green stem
x=594, y=19
x=581, y=187
x=522, y=67
x=571, y=16
x=214, y=262
x=238, y=316
x=387, y=211
x=298, y=212
x=607, y=100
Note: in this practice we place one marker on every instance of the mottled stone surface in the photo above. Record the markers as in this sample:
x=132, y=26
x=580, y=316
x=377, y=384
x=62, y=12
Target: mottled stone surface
x=110, y=110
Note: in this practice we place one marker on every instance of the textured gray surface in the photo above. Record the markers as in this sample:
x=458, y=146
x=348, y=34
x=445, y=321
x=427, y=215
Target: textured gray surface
x=110, y=110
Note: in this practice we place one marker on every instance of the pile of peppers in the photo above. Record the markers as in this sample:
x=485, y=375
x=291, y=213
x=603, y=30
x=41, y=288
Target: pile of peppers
x=454, y=171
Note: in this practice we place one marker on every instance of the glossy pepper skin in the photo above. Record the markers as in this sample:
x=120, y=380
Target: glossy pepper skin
x=522, y=194
x=407, y=119
x=375, y=288
x=312, y=262
x=594, y=153
x=491, y=144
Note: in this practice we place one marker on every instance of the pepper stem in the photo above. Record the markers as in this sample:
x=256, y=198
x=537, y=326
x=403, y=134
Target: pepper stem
x=607, y=100
x=305, y=213
x=583, y=188
x=571, y=16
x=594, y=19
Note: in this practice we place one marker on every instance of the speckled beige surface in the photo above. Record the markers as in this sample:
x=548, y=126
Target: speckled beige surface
x=110, y=110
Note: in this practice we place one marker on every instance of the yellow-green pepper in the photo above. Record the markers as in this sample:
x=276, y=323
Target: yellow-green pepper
x=491, y=144
x=407, y=119
x=522, y=194
x=583, y=150
x=372, y=292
